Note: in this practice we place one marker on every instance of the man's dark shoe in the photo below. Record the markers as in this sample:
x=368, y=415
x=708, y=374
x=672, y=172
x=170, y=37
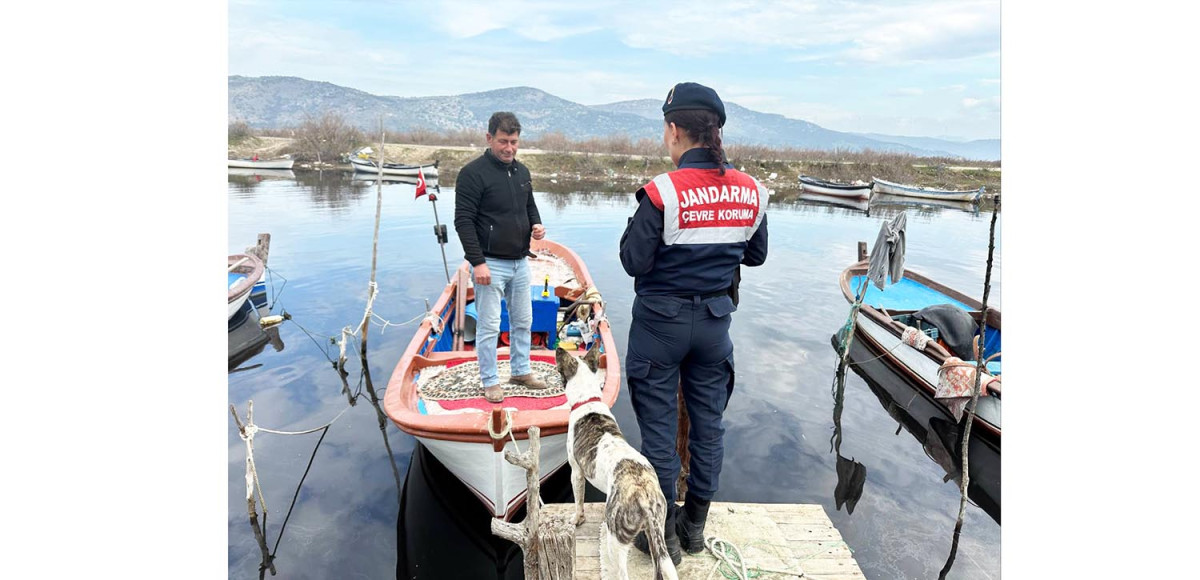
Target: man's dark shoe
x=690, y=523
x=673, y=548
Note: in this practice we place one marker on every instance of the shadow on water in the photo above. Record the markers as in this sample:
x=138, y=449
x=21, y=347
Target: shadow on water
x=933, y=426
x=246, y=337
x=444, y=531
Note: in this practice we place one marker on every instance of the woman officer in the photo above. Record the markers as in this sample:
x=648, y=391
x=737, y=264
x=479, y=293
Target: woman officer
x=692, y=230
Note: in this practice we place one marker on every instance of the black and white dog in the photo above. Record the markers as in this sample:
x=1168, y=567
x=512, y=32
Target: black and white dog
x=598, y=452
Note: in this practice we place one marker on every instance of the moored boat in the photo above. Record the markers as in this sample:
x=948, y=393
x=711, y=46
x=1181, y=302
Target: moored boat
x=435, y=393
x=857, y=190
x=889, y=187
x=281, y=163
x=918, y=302
x=245, y=271
x=430, y=170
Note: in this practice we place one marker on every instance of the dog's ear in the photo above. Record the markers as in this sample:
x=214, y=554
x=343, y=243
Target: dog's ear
x=567, y=364
x=592, y=358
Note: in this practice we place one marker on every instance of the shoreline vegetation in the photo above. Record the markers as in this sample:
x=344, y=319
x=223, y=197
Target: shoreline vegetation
x=559, y=164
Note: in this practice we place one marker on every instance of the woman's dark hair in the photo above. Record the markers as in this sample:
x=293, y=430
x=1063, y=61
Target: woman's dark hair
x=702, y=126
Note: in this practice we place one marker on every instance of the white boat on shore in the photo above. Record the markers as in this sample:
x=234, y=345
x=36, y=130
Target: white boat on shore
x=857, y=190
x=889, y=187
x=281, y=163
x=393, y=169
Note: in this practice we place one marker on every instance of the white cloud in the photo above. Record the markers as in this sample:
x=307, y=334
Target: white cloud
x=542, y=21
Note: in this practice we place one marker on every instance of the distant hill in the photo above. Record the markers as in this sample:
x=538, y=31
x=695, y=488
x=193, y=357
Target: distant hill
x=275, y=102
x=986, y=149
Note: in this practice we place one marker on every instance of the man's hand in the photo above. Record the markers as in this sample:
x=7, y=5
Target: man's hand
x=539, y=231
x=483, y=276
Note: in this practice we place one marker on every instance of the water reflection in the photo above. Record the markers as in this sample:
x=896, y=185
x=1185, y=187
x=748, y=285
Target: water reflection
x=246, y=337
x=932, y=425
x=886, y=205
x=443, y=531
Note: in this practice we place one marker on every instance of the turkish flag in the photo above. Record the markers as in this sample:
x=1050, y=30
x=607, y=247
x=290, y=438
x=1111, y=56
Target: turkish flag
x=420, y=182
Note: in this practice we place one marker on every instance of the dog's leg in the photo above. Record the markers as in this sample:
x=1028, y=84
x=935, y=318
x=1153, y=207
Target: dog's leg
x=578, y=486
x=606, y=563
x=621, y=556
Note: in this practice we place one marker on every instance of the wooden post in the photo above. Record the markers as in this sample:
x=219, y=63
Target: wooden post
x=549, y=545
x=862, y=251
x=262, y=248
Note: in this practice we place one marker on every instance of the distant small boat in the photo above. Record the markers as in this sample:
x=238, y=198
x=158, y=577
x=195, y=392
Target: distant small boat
x=859, y=189
x=281, y=163
x=882, y=186
x=394, y=169
x=245, y=270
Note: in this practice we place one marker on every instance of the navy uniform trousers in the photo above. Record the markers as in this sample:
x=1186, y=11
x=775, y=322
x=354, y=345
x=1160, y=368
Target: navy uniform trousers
x=671, y=340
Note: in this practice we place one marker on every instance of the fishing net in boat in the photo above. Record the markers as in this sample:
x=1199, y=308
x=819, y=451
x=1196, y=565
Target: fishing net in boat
x=459, y=380
x=561, y=274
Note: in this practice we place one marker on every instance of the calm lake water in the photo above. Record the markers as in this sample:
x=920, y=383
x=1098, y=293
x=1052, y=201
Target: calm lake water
x=357, y=516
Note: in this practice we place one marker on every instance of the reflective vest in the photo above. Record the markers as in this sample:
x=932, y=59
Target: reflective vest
x=702, y=207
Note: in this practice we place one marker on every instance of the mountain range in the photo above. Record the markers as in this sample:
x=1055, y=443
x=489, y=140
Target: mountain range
x=277, y=102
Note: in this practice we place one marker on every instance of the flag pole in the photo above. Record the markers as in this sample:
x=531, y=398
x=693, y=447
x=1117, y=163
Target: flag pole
x=439, y=230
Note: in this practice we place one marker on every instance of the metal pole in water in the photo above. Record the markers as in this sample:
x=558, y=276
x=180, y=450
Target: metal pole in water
x=441, y=238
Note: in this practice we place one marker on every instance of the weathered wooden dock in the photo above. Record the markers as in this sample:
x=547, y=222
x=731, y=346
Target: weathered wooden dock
x=783, y=537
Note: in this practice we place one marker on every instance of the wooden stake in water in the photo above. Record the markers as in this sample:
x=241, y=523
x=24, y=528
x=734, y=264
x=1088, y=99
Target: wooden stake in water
x=980, y=365
x=375, y=243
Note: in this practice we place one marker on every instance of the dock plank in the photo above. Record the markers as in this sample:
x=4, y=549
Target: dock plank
x=778, y=537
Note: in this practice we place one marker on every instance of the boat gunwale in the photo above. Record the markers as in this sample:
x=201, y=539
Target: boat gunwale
x=253, y=272
x=400, y=401
x=933, y=351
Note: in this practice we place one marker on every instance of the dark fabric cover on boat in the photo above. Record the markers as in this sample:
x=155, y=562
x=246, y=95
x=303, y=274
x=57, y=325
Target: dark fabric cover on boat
x=887, y=255
x=955, y=327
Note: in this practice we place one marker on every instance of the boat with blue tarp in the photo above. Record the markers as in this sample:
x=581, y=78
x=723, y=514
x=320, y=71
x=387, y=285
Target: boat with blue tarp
x=928, y=333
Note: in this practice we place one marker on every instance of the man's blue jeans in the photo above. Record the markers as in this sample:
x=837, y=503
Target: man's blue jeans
x=510, y=281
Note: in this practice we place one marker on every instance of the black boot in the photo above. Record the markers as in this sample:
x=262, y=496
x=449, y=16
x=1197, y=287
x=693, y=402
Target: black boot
x=673, y=548
x=690, y=523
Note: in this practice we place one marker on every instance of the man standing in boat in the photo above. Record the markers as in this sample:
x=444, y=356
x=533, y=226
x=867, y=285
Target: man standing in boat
x=691, y=232
x=495, y=216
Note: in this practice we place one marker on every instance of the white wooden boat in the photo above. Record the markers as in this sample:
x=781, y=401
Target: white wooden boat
x=857, y=190
x=470, y=436
x=281, y=163
x=245, y=271
x=393, y=169
x=889, y=187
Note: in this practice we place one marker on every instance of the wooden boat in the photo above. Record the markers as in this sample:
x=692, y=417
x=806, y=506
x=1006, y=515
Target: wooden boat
x=245, y=271
x=855, y=190
x=469, y=436
x=394, y=169
x=882, y=186
x=885, y=314
x=281, y=163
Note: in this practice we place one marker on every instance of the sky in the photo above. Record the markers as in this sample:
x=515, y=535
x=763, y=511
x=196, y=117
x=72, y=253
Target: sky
x=928, y=68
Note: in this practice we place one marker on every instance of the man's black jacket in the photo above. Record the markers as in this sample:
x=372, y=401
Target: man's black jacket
x=494, y=210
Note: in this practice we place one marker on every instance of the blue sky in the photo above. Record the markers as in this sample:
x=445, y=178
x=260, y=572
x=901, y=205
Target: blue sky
x=921, y=68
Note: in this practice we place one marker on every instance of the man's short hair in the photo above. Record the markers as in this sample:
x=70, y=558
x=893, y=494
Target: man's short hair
x=504, y=121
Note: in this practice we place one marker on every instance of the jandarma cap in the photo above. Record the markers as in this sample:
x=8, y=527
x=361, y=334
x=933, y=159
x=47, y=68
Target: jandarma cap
x=685, y=96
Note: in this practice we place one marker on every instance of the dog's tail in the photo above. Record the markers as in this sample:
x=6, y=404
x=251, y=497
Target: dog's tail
x=664, y=568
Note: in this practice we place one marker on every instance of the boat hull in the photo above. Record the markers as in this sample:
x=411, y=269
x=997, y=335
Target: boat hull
x=251, y=269
x=261, y=163
x=835, y=190
x=500, y=485
x=888, y=187
x=363, y=166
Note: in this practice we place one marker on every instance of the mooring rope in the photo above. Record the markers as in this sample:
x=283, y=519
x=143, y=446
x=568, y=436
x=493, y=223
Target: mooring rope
x=732, y=565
